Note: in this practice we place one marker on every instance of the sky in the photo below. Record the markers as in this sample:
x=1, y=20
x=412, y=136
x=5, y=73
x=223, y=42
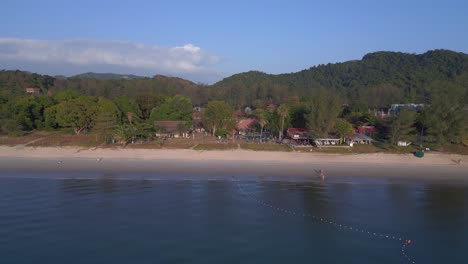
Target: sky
x=205, y=41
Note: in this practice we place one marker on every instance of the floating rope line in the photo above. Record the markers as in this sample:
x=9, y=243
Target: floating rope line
x=404, y=242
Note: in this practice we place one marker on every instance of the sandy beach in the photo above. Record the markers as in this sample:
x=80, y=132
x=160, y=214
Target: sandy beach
x=232, y=162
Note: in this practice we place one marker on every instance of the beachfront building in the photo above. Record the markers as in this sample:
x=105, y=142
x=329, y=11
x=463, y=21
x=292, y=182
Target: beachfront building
x=248, y=129
x=298, y=136
x=172, y=129
x=367, y=130
x=246, y=125
x=359, y=138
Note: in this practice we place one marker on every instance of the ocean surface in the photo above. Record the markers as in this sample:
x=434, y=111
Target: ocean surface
x=144, y=218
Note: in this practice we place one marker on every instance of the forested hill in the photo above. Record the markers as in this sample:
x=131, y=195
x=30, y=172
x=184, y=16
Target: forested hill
x=378, y=79
x=106, y=76
x=14, y=83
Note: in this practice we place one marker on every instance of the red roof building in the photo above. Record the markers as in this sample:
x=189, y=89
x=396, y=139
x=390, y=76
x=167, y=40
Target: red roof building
x=246, y=124
x=297, y=133
x=366, y=129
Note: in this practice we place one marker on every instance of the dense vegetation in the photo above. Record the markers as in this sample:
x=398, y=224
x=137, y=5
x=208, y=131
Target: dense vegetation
x=325, y=99
x=379, y=79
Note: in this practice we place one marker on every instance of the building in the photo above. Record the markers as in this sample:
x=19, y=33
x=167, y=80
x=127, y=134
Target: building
x=171, y=129
x=298, y=136
x=367, y=130
x=245, y=125
x=395, y=109
x=32, y=90
x=359, y=138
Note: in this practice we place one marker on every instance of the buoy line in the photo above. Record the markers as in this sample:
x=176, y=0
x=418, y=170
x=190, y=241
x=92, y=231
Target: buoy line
x=404, y=242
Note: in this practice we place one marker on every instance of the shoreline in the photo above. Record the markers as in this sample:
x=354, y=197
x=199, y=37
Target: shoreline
x=231, y=162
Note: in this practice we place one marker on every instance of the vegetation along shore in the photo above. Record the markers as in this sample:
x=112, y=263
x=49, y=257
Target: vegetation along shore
x=386, y=102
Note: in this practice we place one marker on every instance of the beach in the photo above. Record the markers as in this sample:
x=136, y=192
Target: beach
x=231, y=162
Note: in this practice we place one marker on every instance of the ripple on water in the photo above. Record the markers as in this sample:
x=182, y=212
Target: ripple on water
x=113, y=219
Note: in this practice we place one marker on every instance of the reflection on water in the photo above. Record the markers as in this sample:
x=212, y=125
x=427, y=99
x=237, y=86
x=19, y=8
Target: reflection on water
x=114, y=219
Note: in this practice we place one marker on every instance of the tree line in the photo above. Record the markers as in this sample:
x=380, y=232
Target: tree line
x=444, y=120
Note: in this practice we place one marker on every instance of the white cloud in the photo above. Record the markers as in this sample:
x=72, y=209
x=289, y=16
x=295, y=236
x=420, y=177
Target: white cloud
x=178, y=60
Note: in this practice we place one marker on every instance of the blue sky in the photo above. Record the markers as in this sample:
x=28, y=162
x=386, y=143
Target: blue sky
x=207, y=40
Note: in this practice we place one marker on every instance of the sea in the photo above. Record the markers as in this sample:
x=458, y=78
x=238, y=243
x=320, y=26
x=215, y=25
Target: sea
x=58, y=218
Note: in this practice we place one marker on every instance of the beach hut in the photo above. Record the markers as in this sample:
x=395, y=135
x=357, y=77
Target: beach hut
x=171, y=128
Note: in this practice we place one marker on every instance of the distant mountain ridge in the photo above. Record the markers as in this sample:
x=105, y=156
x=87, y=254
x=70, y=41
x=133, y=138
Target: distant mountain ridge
x=106, y=76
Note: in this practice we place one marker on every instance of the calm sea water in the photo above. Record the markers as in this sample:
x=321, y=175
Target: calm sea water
x=52, y=218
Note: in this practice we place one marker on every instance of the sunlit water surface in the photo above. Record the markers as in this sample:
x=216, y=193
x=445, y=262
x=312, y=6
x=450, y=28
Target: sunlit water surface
x=142, y=218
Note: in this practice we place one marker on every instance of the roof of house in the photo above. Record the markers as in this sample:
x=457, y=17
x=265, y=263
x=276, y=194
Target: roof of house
x=360, y=136
x=297, y=130
x=169, y=126
x=246, y=123
x=297, y=133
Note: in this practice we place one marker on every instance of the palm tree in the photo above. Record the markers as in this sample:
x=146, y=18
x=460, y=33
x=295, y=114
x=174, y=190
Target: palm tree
x=262, y=120
x=283, y=111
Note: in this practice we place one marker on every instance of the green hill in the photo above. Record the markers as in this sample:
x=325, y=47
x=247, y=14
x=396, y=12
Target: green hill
x=378, y=79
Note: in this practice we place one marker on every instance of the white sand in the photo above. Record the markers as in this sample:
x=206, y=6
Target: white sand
x=433, y=165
